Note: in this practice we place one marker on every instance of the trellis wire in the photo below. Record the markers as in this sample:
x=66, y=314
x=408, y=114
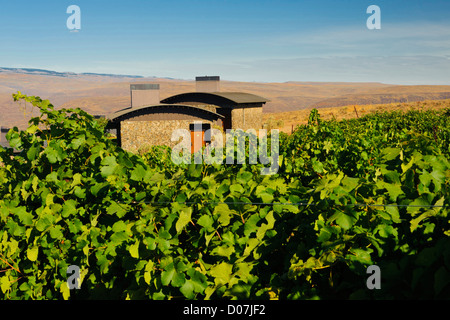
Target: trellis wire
x=304, y=204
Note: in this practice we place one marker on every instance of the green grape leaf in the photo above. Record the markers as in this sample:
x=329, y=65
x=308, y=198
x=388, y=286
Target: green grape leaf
x=32, y=253
x=184, y=219
x=134, y=249
x=222, y=273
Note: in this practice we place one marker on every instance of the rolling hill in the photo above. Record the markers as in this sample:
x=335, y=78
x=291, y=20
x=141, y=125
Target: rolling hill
x=288, y=121
x=105, y=93
x=388, y=95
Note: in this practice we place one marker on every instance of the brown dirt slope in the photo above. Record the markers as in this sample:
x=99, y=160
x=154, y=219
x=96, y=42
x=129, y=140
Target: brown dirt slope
x=288, y=121
x=389, y=95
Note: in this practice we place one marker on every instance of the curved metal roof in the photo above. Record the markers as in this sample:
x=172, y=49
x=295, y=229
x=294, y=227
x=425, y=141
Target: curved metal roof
x=221, y=97
x=129, y=111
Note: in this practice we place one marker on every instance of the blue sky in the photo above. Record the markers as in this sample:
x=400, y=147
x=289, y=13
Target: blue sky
x=246, y=40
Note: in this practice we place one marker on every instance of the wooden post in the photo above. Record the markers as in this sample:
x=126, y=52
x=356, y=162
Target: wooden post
x=356, y=111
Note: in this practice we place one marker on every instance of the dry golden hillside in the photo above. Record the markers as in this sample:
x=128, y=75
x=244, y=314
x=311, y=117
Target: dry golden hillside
x=290, y=101
x=287, y=121
x=388, y=95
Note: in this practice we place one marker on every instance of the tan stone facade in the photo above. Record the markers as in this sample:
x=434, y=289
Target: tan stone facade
x=148, y=124
x=141, y=132
x=246, y=118
x=137, y=135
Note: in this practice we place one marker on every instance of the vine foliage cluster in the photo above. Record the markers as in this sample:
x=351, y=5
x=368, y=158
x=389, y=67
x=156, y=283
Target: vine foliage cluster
x=141, y=227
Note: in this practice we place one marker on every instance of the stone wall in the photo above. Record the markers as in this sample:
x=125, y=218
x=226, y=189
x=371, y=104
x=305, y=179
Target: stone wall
x=136, y=135
x=140, y=132
x=209, y=107
x=247, y=118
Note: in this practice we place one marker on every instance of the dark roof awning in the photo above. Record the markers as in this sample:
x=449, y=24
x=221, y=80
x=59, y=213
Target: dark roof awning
x=224, y=99
x=127, y=112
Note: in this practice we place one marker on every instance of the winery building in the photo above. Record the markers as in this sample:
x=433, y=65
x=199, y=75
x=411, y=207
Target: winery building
x=150, y=121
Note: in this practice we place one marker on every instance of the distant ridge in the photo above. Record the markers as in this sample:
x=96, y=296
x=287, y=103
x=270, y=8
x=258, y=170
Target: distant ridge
x=102, y=93
x=44, y=72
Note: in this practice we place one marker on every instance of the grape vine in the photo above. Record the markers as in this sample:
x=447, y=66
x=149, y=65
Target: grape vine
x=375, y=189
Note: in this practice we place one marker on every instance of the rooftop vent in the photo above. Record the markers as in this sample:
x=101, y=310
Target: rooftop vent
x=207, y=84
x=144, y=94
